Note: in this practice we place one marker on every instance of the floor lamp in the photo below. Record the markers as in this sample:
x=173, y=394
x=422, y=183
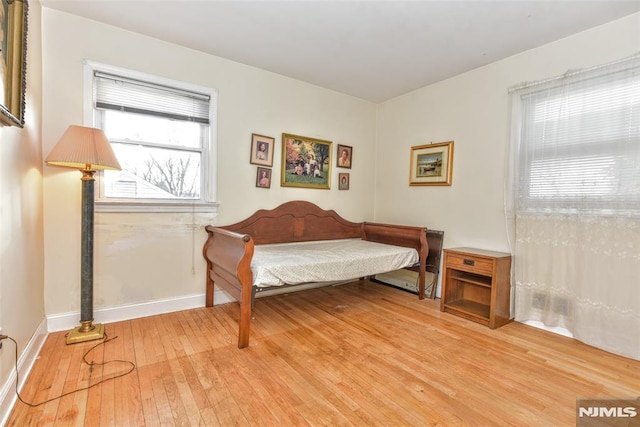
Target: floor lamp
x=87, y=149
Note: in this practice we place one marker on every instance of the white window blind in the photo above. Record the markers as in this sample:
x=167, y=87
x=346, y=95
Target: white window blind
x=132, y=96
x=580, y=142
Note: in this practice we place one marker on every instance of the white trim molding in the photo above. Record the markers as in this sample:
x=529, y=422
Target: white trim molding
x=64, y=321
x=27, y=359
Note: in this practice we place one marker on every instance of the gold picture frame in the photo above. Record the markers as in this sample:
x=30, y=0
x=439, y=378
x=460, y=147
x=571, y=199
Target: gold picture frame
x=431, y=164
x=306, y=162
x=13, y=61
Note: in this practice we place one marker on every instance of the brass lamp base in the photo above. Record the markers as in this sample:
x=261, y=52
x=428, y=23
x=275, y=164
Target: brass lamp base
x=87, y=331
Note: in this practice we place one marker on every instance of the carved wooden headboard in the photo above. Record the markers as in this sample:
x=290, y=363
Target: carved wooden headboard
x=296, y=221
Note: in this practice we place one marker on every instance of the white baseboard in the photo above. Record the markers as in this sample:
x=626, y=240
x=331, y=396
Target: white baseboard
x=64, y=321
x=25, y=363
x=68, y=321
x=557, y=330
x=221, y=297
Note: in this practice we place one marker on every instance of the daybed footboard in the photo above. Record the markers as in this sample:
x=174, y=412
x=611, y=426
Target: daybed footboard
x=228, y=257
x=401, y=235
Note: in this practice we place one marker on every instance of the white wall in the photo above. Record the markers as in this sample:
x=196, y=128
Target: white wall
x=21, y=248
x=147, y=257
x=473, y=110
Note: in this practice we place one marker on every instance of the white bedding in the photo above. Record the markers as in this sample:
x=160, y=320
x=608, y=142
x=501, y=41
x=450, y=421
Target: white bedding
x=328, y=260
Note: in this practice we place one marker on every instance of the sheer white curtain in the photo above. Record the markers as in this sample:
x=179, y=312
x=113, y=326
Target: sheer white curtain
x=573, y=204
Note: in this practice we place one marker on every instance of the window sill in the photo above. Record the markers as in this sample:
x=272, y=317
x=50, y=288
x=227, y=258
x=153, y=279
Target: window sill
x=136, y=206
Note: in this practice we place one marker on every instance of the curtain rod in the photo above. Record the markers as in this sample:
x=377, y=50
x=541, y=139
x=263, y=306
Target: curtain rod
x=571, y=73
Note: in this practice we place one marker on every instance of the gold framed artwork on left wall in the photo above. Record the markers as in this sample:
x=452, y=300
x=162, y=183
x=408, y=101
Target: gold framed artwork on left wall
x=13, y=61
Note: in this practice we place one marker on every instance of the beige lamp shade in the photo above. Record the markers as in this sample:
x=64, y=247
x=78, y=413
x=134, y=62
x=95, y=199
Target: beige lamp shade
x=83, y=147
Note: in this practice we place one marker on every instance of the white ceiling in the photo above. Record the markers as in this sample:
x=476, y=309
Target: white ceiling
x=374, y=50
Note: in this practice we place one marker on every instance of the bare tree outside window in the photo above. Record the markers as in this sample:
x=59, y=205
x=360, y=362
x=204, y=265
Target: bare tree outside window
x=177, y=176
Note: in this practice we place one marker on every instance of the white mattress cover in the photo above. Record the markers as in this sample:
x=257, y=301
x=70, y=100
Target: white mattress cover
x=327, y=260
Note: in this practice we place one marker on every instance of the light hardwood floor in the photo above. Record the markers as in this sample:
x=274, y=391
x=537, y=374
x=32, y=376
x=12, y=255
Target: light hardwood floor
x=356, y=354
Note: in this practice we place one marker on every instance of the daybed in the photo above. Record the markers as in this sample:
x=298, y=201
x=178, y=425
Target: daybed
x=231, y=264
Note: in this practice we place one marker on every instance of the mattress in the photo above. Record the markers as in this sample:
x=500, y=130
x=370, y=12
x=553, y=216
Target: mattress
x=328, y=260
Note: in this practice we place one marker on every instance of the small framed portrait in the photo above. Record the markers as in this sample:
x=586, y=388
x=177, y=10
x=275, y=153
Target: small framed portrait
x=262, y=150
x=343, y=181
x=344, y=156
x=263, y=178
x=431, y=164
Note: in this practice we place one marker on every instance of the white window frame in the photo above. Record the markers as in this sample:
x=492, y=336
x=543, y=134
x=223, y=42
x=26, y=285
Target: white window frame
x=207, y=203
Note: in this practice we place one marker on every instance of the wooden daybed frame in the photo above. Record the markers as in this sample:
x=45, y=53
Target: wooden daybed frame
x=229, y=249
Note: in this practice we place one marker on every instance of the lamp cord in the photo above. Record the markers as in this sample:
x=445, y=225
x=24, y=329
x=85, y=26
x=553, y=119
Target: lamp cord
x=84, y=359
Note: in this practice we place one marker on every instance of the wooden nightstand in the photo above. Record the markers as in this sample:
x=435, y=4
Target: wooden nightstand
x=476, y=285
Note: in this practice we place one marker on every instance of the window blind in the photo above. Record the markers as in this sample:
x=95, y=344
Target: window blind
x=580, y=142
x=118, y=93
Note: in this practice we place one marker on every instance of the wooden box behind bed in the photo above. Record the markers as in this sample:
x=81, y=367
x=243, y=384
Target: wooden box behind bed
x=229, y=249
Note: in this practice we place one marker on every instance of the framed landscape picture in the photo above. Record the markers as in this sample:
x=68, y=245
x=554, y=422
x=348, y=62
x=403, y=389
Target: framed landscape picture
x=306, y=162
x=262, y=150
x=431, y=164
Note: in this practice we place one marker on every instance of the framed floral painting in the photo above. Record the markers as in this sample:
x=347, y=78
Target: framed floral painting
x=306, y=162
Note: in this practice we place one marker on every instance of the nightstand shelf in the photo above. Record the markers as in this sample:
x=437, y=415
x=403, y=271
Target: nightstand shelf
x=476, y=285
x=466, y=308
x=474, y=279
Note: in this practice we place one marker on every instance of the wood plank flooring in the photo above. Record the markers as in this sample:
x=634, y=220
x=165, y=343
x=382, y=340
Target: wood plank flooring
x=350, y=355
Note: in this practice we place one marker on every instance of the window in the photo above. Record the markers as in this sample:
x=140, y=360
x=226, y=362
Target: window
x=572, y=203
x=578, y=143
x=162, y=132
